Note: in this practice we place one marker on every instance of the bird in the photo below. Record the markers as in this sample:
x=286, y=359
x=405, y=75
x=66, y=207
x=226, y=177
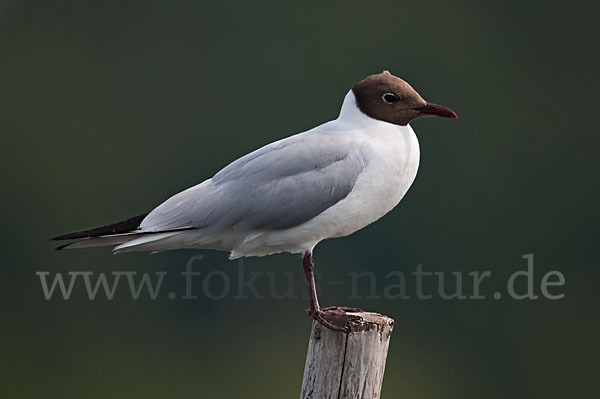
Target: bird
x=289, y=195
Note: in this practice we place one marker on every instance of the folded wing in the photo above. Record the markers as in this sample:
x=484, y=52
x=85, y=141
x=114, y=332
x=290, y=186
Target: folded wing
x=278, y=186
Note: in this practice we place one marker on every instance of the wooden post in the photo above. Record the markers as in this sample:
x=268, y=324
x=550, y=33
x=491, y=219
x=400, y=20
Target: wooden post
x=347, y=365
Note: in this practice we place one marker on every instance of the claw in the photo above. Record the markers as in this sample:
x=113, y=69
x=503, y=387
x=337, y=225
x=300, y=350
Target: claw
x=336, y=318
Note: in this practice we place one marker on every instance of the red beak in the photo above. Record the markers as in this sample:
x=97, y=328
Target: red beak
x=437, y=110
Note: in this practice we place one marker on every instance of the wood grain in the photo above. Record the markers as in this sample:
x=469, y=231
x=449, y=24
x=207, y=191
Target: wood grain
x=347, y=365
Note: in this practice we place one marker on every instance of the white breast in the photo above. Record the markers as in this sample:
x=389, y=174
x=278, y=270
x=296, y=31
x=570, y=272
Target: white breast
x=391, y=154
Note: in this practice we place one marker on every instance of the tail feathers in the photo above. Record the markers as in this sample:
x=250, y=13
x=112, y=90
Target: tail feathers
x=124, y=226
x=135, y=241
x=147, y=242
x=128, y=242
x=125, y=234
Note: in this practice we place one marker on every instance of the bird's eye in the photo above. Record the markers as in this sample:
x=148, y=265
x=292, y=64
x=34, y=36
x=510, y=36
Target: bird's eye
x=389, y=98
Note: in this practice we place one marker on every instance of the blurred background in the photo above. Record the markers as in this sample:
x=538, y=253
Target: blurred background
x=108, y=108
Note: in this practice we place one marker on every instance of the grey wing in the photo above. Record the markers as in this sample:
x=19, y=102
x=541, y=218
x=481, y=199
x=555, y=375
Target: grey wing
x=278, y=186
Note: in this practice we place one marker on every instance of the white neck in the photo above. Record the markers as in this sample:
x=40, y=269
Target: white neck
x=350, y=113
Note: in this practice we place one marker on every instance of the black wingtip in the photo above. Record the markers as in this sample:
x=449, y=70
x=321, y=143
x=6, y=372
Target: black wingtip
x=61, y=237
x=124, y=226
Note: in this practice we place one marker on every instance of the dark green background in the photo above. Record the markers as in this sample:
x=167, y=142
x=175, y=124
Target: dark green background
x=109, y=107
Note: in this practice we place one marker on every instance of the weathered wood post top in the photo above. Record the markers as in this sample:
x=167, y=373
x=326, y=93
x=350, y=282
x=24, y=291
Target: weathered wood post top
x=347, y=364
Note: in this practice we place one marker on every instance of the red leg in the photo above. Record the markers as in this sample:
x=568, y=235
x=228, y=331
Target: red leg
x=309, y=268
x=334, y=317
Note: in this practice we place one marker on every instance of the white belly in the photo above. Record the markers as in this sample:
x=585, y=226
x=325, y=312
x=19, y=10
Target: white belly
x=392, y=156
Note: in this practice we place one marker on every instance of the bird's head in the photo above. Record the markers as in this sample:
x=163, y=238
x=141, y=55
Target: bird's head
x=390, y=99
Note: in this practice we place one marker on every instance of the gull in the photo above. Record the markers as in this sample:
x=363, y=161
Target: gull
x=288, y=196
